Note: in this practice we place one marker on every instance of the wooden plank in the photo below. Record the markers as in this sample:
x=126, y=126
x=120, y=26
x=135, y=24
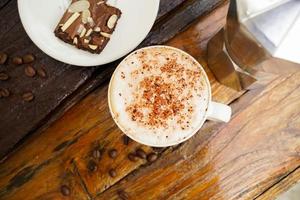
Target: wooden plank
x=9, y=10
x=278, y=66
x=239, y=161
x=20, y=119
x=46, y=185
x=186, y=14
x=79, y=131
x=166, y=6
x=3, y=3
x=281, y=186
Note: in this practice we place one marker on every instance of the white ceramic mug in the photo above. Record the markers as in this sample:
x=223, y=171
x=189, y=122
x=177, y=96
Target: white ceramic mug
x=212, y=111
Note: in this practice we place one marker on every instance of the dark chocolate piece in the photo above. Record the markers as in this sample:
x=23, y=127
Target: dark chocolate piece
x=88, y=24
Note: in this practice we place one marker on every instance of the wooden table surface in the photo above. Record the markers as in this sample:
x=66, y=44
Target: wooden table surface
x=66, y=84
x=255, y=156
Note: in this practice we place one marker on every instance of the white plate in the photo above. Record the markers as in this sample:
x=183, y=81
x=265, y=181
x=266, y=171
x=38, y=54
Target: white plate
x=40, y=17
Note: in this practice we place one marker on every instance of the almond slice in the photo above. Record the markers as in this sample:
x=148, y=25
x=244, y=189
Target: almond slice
x=80, y=29
x=107, y=35
x=93, y=47
x=70, y=21
x=86, y=41
x=82, y=32
x=97, y=29
x=100, y=2
x=89, y=32
x=79, y=6
x=85, y=15
x=112, y=21
x=90, y=21
x=75, y=40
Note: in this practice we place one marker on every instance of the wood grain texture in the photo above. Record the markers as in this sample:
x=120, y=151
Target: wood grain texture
x=53, y=95
x=278, y=66
x=168, y=5
x=239, y=161
x=255, y=156
x=281, y=186
x=18, y=118
x=178, y=20
x=79, y=131
x=46, y=185
x=10, y=19
x=3, y=3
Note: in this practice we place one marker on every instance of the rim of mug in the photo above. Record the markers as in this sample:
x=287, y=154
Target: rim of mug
x=198, y=127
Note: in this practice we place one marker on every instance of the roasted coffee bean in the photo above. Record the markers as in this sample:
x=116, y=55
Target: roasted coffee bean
x=28, y=96
x=28, y=58
x=92, y=166
x=4, y=92
x=132, y=157
x=96, y=153
x=113, y=153
x=152, y=157
x=65, y=190
x=3, y=76
x=141, y=153
x=123, y=195
x=3, y=58
x=30, y=71
x=126, y=140
x=112, y=173
x=17, y=60
x=41, y=72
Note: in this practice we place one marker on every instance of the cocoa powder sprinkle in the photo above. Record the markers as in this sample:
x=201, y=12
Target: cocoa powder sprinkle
x=160, y=98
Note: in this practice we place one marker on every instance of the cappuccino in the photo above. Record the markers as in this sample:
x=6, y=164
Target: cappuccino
x=160, y=95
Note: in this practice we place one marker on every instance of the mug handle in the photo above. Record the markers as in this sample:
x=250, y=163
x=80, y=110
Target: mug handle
x=219, y=112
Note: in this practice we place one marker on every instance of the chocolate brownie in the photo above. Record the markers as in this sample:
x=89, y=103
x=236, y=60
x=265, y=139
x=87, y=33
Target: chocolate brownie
x=88, y=24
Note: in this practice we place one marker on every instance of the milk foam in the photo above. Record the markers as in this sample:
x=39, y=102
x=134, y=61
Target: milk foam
x=125, y=88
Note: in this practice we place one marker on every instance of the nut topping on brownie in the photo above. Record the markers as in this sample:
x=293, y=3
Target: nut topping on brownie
x=88, y=24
